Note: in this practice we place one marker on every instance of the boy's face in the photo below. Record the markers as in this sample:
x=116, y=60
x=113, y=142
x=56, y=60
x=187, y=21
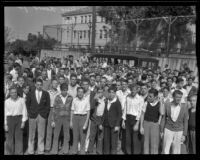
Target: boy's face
x=26, y=89
x=151, y=97
x=100, y=93
x=177, y=98
x=112, y=94
x=134, y=91
x=13, y=93
x=193, y=101
x=80, y=93
x=165, y=92
x=64, y=92
x=54, y=84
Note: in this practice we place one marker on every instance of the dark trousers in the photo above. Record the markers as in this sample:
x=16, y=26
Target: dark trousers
x=14, y=144
x=61, y=121
x=78, y=132
x=122, y=138
x=110, y=140
x=192, y=142
x=95, y=132
x=133, y=143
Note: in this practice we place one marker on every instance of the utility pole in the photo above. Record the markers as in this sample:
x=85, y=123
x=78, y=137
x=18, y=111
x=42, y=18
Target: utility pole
x=93, y=28
x=169, y=21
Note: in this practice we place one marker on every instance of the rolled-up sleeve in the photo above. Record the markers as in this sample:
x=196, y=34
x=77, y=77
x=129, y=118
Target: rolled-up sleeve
x=144, y=107
x=73, y=105
x=24, y=111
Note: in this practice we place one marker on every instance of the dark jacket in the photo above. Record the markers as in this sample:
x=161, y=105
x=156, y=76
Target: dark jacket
x=112, y=117
x=33, y=108
x=60, y=109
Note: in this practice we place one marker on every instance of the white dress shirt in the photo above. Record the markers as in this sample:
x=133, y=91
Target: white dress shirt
x=175, y=110
x=110, y=102
x=80, y=106
x=53, y=94
x=133, y=106
x=49, y=74
x=100, y=107
x=15, y=108
x=122, y=96
x=40, y=94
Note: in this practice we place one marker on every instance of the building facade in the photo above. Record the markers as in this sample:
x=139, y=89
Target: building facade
x=77, y=29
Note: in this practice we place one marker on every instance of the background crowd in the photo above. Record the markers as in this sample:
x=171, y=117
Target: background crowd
x=88, y=106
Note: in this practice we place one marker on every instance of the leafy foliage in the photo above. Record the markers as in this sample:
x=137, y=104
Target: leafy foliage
x=150, y=32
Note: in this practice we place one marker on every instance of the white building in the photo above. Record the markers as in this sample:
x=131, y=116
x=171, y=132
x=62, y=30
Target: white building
x=78, y=29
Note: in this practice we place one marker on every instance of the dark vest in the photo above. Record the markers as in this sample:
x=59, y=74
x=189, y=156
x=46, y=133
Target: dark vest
x=152, y=113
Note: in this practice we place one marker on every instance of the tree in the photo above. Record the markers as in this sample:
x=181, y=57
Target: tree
x=149, y=35
x=8, y=36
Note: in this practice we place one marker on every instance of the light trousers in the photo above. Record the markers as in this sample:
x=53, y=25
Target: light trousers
x=172, y=138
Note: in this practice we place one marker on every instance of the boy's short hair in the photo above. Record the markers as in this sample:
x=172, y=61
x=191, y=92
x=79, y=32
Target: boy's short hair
x=113, y=88
x=39, y=80
x=154, y=92
x=63, y=87
x=78, y=88
x=177, y=92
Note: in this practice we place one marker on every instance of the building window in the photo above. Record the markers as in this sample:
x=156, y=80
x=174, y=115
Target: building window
x=81, y=19
x=105, y=34
x=90, y=18
x=85, y=19
x=84, y=34
x=74, y=34
x=80, y=34
x=100, y=35
x=75, y=19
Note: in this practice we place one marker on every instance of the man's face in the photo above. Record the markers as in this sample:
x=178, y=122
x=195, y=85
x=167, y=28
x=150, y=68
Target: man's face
x=134, y=91
x=169, y=82
x=103, y=81
x=177, y=98
x=98, y=78
x=44, y=75
x=80, y=93
x=38, y=86
x=112, y=94
x=144, y=90
x=54, y=84
x=61, y=80
x=26, y=89
x=13, y=93
x=190, y=81
x=100, y=93
x=21, y=81
x=92, y=81
x=73, y=81
x=85, y=86
x=153, y=84
x=165, y=92
x=193, y=101
x=118, y=84
x=124, y=86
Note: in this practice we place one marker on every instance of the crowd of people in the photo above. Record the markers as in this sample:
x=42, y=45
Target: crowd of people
x=88, y=106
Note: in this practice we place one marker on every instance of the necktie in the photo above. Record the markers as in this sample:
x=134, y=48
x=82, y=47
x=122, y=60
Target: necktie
x=38, y=97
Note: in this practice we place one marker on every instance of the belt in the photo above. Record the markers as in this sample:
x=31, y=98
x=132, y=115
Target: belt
x=15, y=116
x=80, y=114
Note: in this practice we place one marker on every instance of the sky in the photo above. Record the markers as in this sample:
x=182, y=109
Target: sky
x=24, y=20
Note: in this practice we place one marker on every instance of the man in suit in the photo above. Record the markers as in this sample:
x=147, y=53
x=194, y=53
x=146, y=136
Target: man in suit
x=50, y=72
x=38, y=107
x=111, y=122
